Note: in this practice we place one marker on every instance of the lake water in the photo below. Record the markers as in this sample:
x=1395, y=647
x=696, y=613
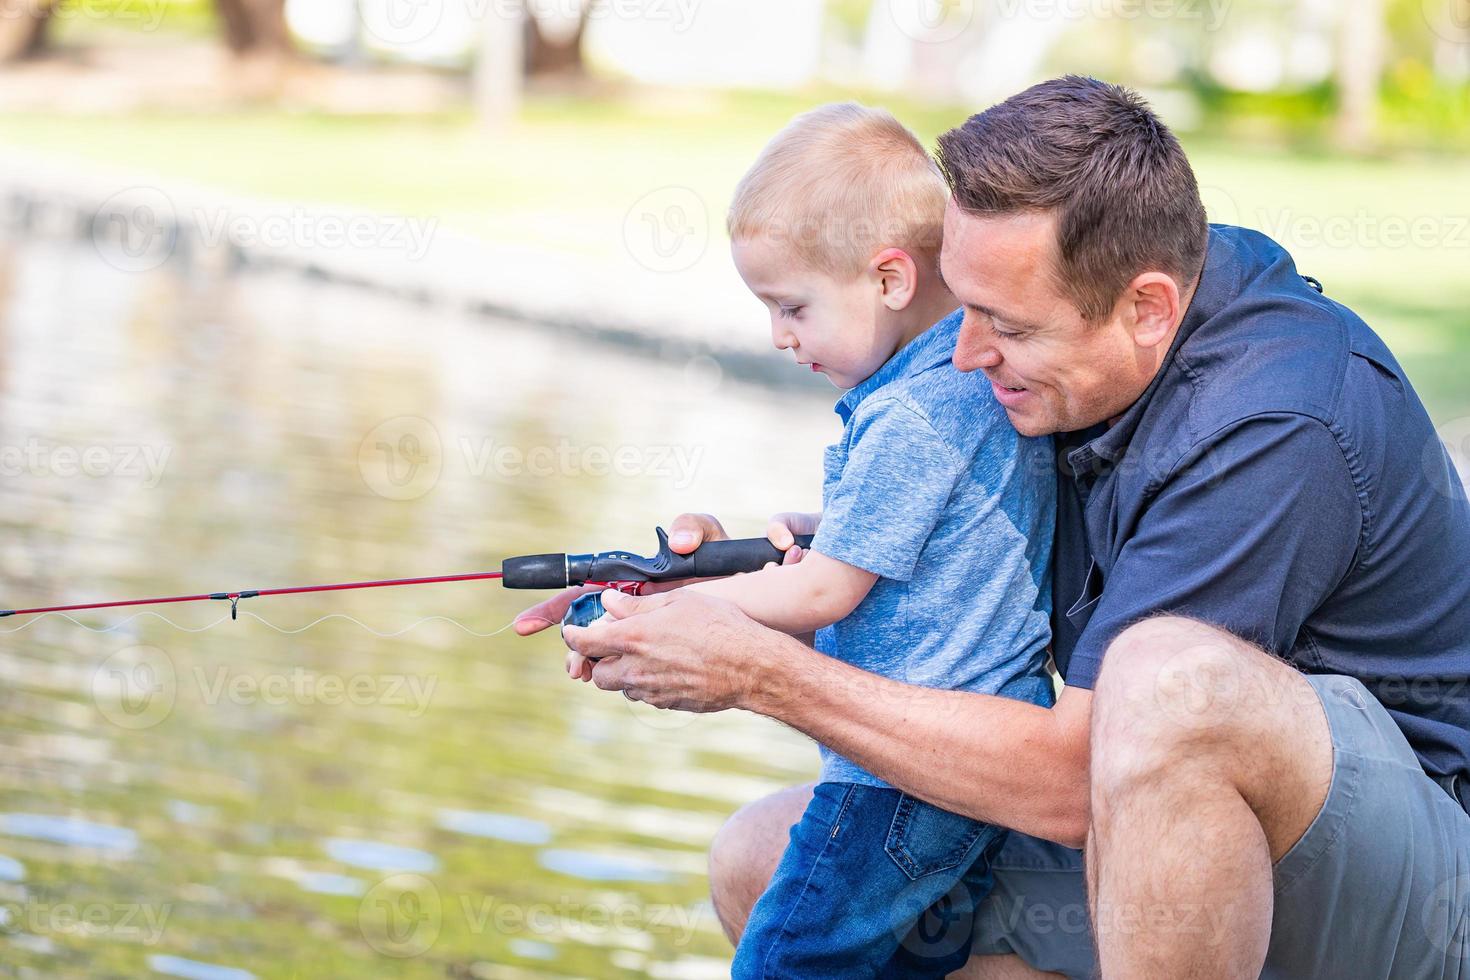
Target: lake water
x=240, y=802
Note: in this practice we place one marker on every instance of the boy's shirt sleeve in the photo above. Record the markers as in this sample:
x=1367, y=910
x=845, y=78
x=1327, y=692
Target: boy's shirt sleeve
x=898, y=478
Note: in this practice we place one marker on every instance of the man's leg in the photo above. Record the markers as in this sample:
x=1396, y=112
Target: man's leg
x=747, y=850
x=1210, y=759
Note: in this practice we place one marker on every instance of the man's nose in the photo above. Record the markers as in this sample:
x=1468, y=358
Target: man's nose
x=974, y=350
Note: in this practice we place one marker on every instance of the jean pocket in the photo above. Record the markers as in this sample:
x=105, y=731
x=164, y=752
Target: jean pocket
x=923, y=839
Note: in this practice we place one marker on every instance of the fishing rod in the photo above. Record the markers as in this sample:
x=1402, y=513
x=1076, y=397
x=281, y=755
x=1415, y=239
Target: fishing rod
x=621, y=570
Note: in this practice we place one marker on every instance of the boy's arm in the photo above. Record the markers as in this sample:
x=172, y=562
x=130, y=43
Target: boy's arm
x=815, y=592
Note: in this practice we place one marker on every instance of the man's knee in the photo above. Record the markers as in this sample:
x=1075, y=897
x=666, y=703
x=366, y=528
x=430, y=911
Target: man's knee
x=1170, y=691
x=1180, y=700
x=745, y=852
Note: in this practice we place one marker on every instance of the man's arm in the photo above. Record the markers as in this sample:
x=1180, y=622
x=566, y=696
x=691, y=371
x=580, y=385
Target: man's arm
x=1007, y=762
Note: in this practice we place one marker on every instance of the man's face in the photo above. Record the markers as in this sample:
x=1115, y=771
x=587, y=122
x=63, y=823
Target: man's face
x=1051, y=370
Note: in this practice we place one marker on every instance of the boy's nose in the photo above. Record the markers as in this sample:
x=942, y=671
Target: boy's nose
x=783, y=338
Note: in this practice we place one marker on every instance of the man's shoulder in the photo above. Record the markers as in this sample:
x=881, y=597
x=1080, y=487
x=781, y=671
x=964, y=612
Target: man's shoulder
x=1280, y=346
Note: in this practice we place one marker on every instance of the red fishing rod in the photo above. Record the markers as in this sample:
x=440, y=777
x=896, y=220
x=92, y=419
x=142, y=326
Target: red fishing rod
x=614, y=569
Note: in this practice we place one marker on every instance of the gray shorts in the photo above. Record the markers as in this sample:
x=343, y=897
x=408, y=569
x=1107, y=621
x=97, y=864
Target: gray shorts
x=1378, y=886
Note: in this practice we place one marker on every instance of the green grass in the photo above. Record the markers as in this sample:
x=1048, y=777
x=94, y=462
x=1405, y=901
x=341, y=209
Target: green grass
x=568, y=172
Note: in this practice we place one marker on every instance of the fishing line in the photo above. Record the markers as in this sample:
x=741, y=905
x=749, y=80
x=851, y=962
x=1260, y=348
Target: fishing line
x=284, y=630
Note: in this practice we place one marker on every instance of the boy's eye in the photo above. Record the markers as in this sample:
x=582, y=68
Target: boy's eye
x=789, y=312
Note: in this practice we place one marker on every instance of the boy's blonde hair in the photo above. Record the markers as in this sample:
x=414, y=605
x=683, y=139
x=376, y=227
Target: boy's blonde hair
x=839, y=183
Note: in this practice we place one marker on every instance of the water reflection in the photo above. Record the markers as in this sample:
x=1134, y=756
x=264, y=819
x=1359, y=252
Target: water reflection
x=237, y=803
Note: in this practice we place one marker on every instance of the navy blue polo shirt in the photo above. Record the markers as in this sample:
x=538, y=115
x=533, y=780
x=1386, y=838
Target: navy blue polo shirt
x=1281, y=479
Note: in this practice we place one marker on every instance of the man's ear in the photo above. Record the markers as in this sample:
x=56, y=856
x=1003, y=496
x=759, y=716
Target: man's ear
x=897, y=277
x=1152, y=307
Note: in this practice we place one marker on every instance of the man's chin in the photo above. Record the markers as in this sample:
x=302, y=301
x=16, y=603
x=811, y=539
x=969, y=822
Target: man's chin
x=1030, y=425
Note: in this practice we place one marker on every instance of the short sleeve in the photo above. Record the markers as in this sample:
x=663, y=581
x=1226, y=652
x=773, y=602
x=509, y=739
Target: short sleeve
x=1251, y=532
x=896, y=481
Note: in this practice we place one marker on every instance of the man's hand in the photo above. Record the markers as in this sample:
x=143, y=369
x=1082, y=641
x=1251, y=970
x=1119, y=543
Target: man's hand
x=687, y=532
x=676, y=650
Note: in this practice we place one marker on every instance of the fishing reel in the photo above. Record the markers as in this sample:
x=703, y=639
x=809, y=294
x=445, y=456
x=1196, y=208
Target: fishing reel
x=628, y=572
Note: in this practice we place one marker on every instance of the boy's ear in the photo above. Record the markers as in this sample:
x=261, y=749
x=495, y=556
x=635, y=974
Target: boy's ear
x=897, y=277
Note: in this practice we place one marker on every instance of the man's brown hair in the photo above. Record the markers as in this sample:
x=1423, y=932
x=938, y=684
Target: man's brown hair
x=1097, y=156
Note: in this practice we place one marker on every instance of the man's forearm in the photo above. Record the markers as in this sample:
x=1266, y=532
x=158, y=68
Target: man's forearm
x=1007, y=762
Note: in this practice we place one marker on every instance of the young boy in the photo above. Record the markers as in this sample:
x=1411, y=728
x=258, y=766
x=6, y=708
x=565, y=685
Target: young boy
x=930, y=562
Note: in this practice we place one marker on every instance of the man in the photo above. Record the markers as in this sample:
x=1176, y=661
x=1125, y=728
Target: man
x=1262, y=606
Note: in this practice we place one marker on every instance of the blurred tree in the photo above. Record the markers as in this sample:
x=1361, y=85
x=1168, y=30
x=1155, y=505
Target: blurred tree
x=23, y=28
x=255, y=26
x=1362, y=39
x=498, y=69
x=555, y=48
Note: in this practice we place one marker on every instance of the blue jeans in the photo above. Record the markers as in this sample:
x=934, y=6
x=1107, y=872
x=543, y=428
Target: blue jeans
x=874, y=883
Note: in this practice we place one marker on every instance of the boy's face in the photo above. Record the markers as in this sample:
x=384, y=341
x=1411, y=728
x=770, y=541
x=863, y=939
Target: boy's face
x=834, y=325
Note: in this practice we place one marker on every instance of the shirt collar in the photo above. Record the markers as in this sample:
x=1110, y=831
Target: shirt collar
x=934, y=346
x=1215, y=283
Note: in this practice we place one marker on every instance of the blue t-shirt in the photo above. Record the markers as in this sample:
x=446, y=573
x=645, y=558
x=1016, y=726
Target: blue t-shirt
x=1280, y=479
x=933, y=490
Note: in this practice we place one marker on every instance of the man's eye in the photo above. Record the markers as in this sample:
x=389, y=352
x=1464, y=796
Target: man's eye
x=1003, y=334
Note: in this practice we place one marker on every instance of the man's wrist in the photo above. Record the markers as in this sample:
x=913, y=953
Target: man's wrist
x=771, y=675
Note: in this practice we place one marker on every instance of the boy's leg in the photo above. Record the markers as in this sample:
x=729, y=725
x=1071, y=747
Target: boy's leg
x=863, y=863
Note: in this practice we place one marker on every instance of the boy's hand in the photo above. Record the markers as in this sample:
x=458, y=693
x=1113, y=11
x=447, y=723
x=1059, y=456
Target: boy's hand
x=687, y=532
x=782, y=531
